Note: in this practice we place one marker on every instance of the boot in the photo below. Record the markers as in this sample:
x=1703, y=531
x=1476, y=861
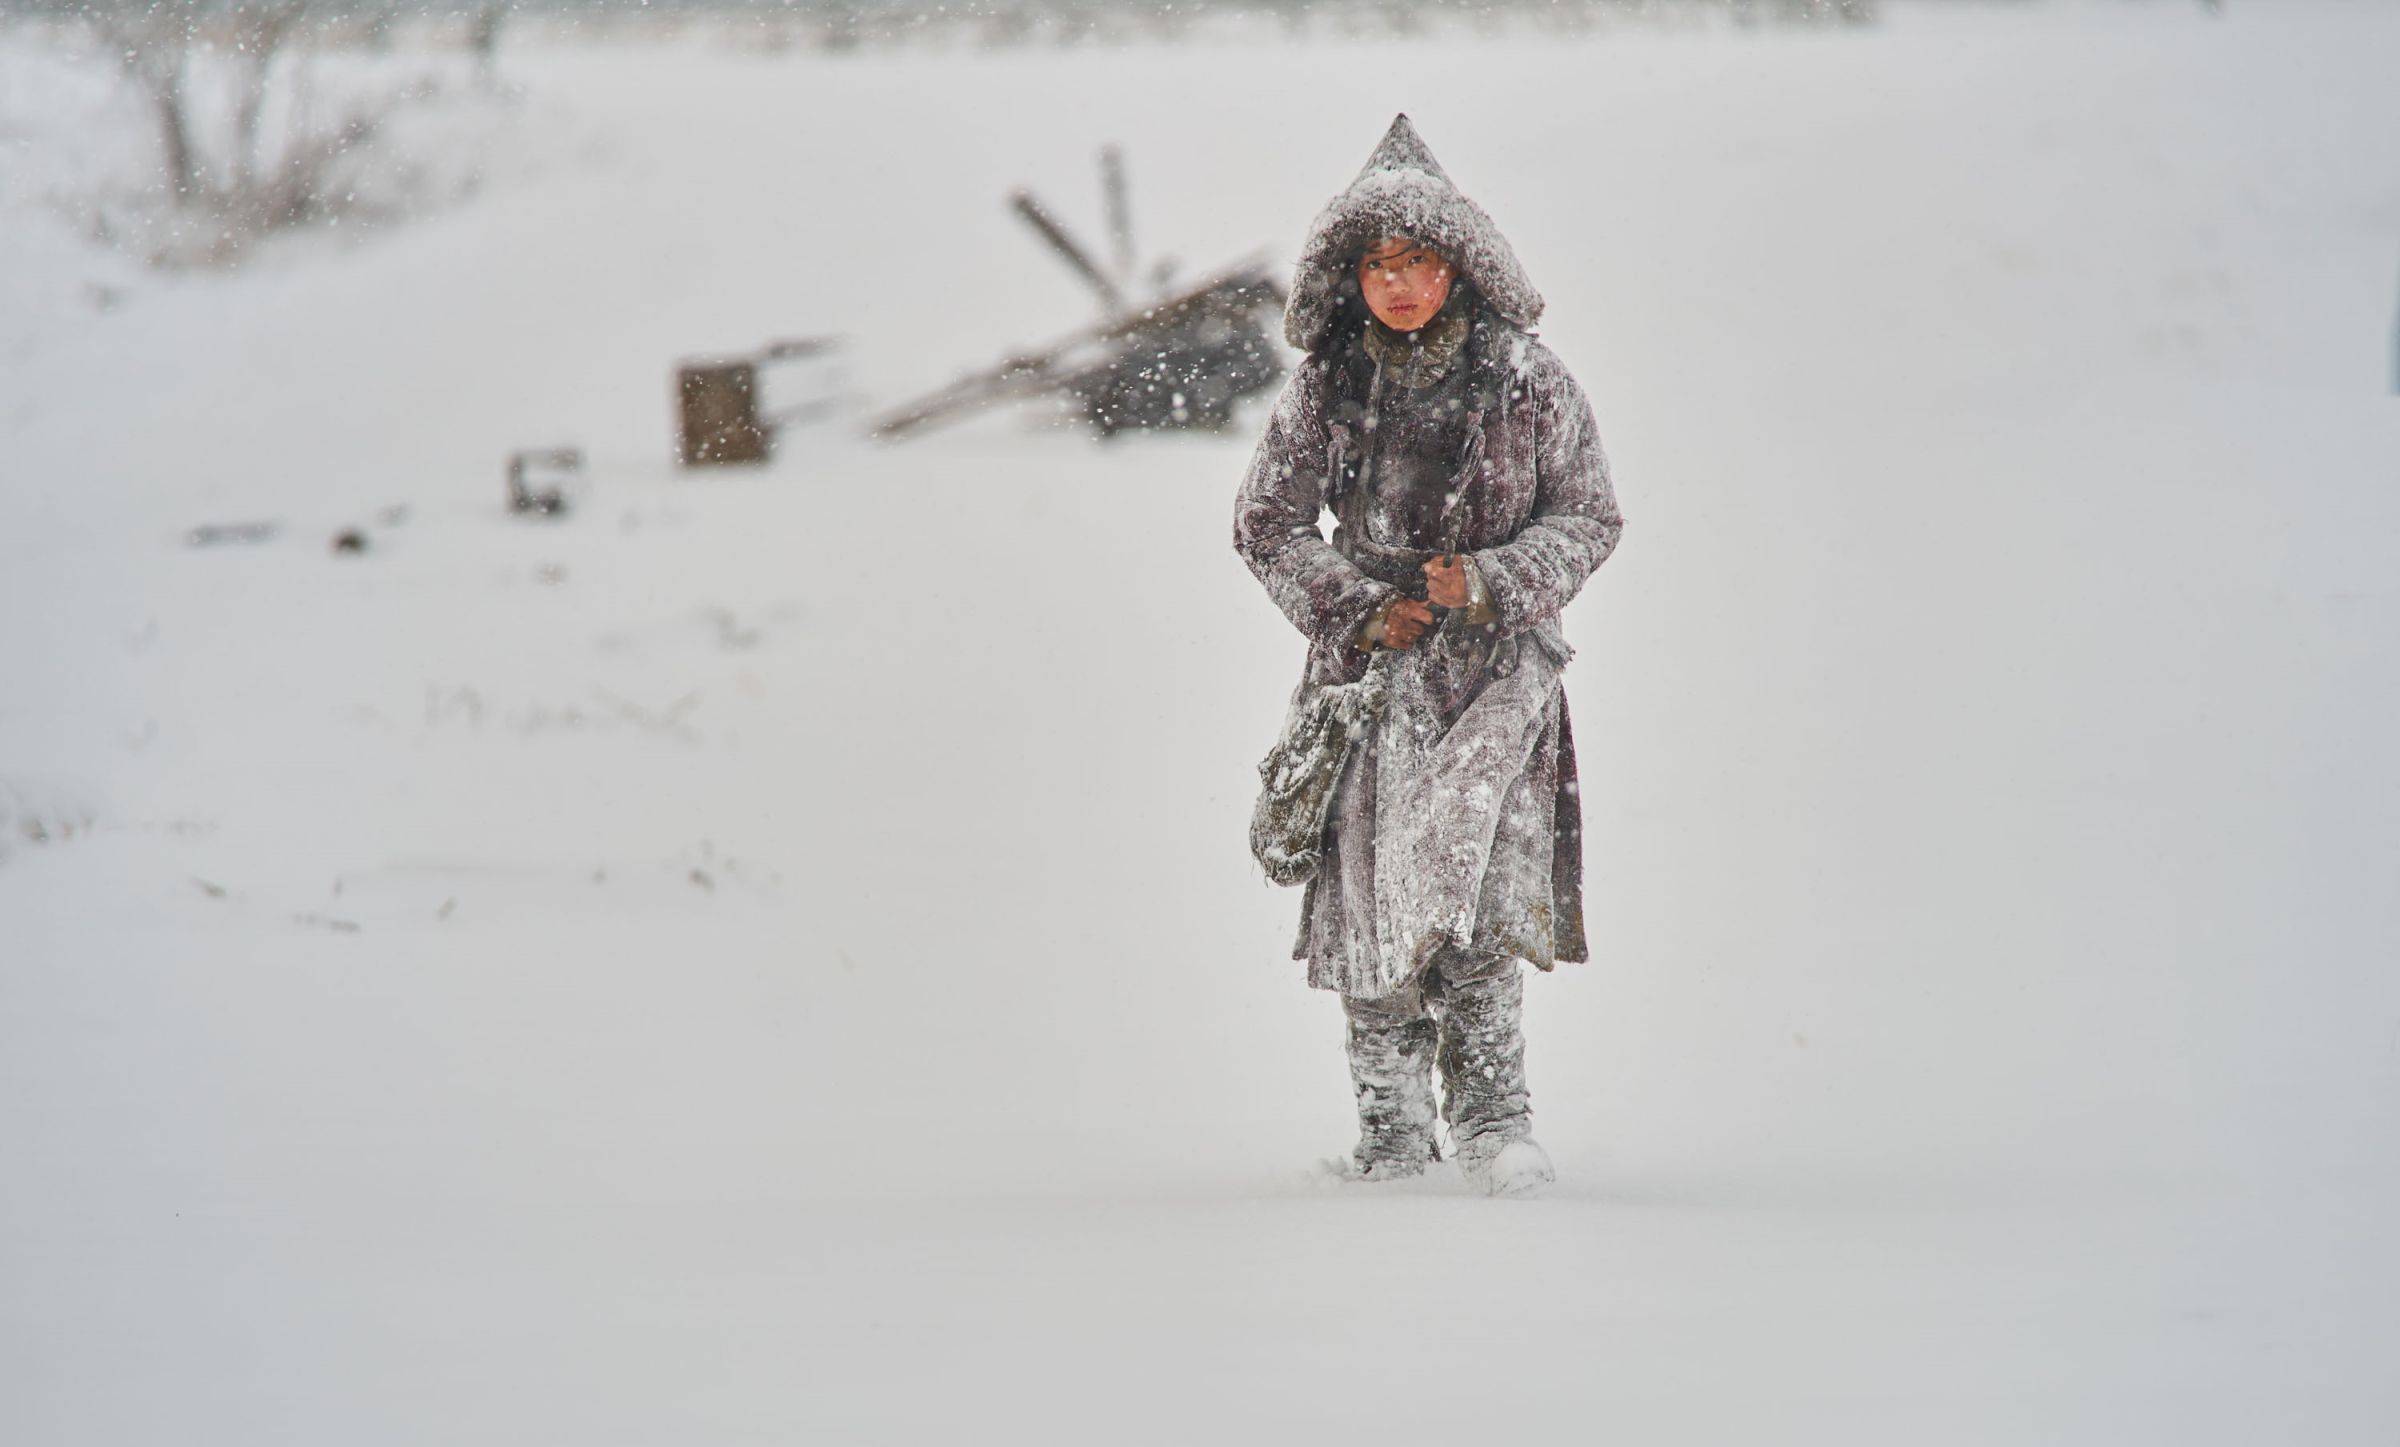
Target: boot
x=1483, y=1086
x=1391, y=1072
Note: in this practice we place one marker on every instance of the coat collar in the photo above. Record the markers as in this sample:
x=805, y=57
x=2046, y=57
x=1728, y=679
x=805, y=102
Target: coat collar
x=1417, y=360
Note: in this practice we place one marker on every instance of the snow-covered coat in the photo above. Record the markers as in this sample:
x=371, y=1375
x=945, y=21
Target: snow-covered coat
x=1457, y=822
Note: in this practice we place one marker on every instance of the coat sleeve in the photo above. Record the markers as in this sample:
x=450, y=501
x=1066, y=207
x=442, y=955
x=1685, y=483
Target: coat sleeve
x=1275, y=521
x=1575, y=523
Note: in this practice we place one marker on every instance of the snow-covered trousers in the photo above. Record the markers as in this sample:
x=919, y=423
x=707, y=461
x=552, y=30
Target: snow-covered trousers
x=1466, y=1013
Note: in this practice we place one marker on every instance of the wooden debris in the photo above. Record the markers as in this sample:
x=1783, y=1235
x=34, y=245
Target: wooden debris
x=527, y=498
x=1181, y=358
x=721, y=415
x=209, y=535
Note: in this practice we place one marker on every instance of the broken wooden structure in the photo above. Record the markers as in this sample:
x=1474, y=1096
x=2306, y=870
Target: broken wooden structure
x=721, y=415
x=1180, y=357
x=528, y=497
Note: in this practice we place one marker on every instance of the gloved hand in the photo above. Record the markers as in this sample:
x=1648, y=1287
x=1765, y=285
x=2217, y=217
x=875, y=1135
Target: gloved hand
x=1399, y=623
x=1446, y=583
x=1452, y=581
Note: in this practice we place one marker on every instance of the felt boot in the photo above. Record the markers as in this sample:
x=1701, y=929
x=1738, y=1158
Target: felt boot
x=1483, y=1086
x=1391, y=1073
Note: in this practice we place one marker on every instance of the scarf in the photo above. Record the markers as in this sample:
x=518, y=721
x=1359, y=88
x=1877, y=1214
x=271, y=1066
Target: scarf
x=1416, y=360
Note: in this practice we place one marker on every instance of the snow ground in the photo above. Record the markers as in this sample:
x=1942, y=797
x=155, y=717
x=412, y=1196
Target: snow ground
x=669, y=975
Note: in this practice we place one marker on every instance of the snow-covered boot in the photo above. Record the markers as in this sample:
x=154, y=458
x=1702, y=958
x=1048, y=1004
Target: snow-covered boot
x=1391, y=1072
x=1483, y=1086
x=1521, y=1168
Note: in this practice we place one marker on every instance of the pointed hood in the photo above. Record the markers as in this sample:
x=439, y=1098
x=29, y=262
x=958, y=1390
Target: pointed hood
x=1403, y=191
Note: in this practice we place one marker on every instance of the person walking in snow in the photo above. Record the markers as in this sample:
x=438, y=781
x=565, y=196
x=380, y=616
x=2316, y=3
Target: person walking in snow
x=1471, y=500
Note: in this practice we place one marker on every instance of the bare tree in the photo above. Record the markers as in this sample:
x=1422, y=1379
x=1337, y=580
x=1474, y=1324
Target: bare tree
x=483, y=38
x=211, y=73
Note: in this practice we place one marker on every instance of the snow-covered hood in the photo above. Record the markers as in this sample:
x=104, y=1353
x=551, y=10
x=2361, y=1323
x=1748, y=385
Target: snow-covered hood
x=1403, y=191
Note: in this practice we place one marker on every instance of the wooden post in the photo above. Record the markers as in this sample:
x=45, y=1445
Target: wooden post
x=719, y=402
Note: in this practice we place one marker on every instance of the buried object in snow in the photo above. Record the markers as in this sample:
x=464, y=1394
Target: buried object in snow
x=1182, y=357
x=719, y=412
x=546, y=496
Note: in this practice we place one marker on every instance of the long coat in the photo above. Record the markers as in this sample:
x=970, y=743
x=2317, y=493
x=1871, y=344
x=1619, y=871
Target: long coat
x=1457, y=822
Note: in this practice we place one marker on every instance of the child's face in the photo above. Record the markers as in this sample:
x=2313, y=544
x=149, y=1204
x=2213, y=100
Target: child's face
x=1404, y=281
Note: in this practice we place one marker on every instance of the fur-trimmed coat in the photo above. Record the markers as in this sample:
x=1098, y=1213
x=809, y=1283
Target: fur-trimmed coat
x=1457, y=822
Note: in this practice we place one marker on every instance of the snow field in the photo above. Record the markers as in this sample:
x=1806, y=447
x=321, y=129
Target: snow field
x=771, y=957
